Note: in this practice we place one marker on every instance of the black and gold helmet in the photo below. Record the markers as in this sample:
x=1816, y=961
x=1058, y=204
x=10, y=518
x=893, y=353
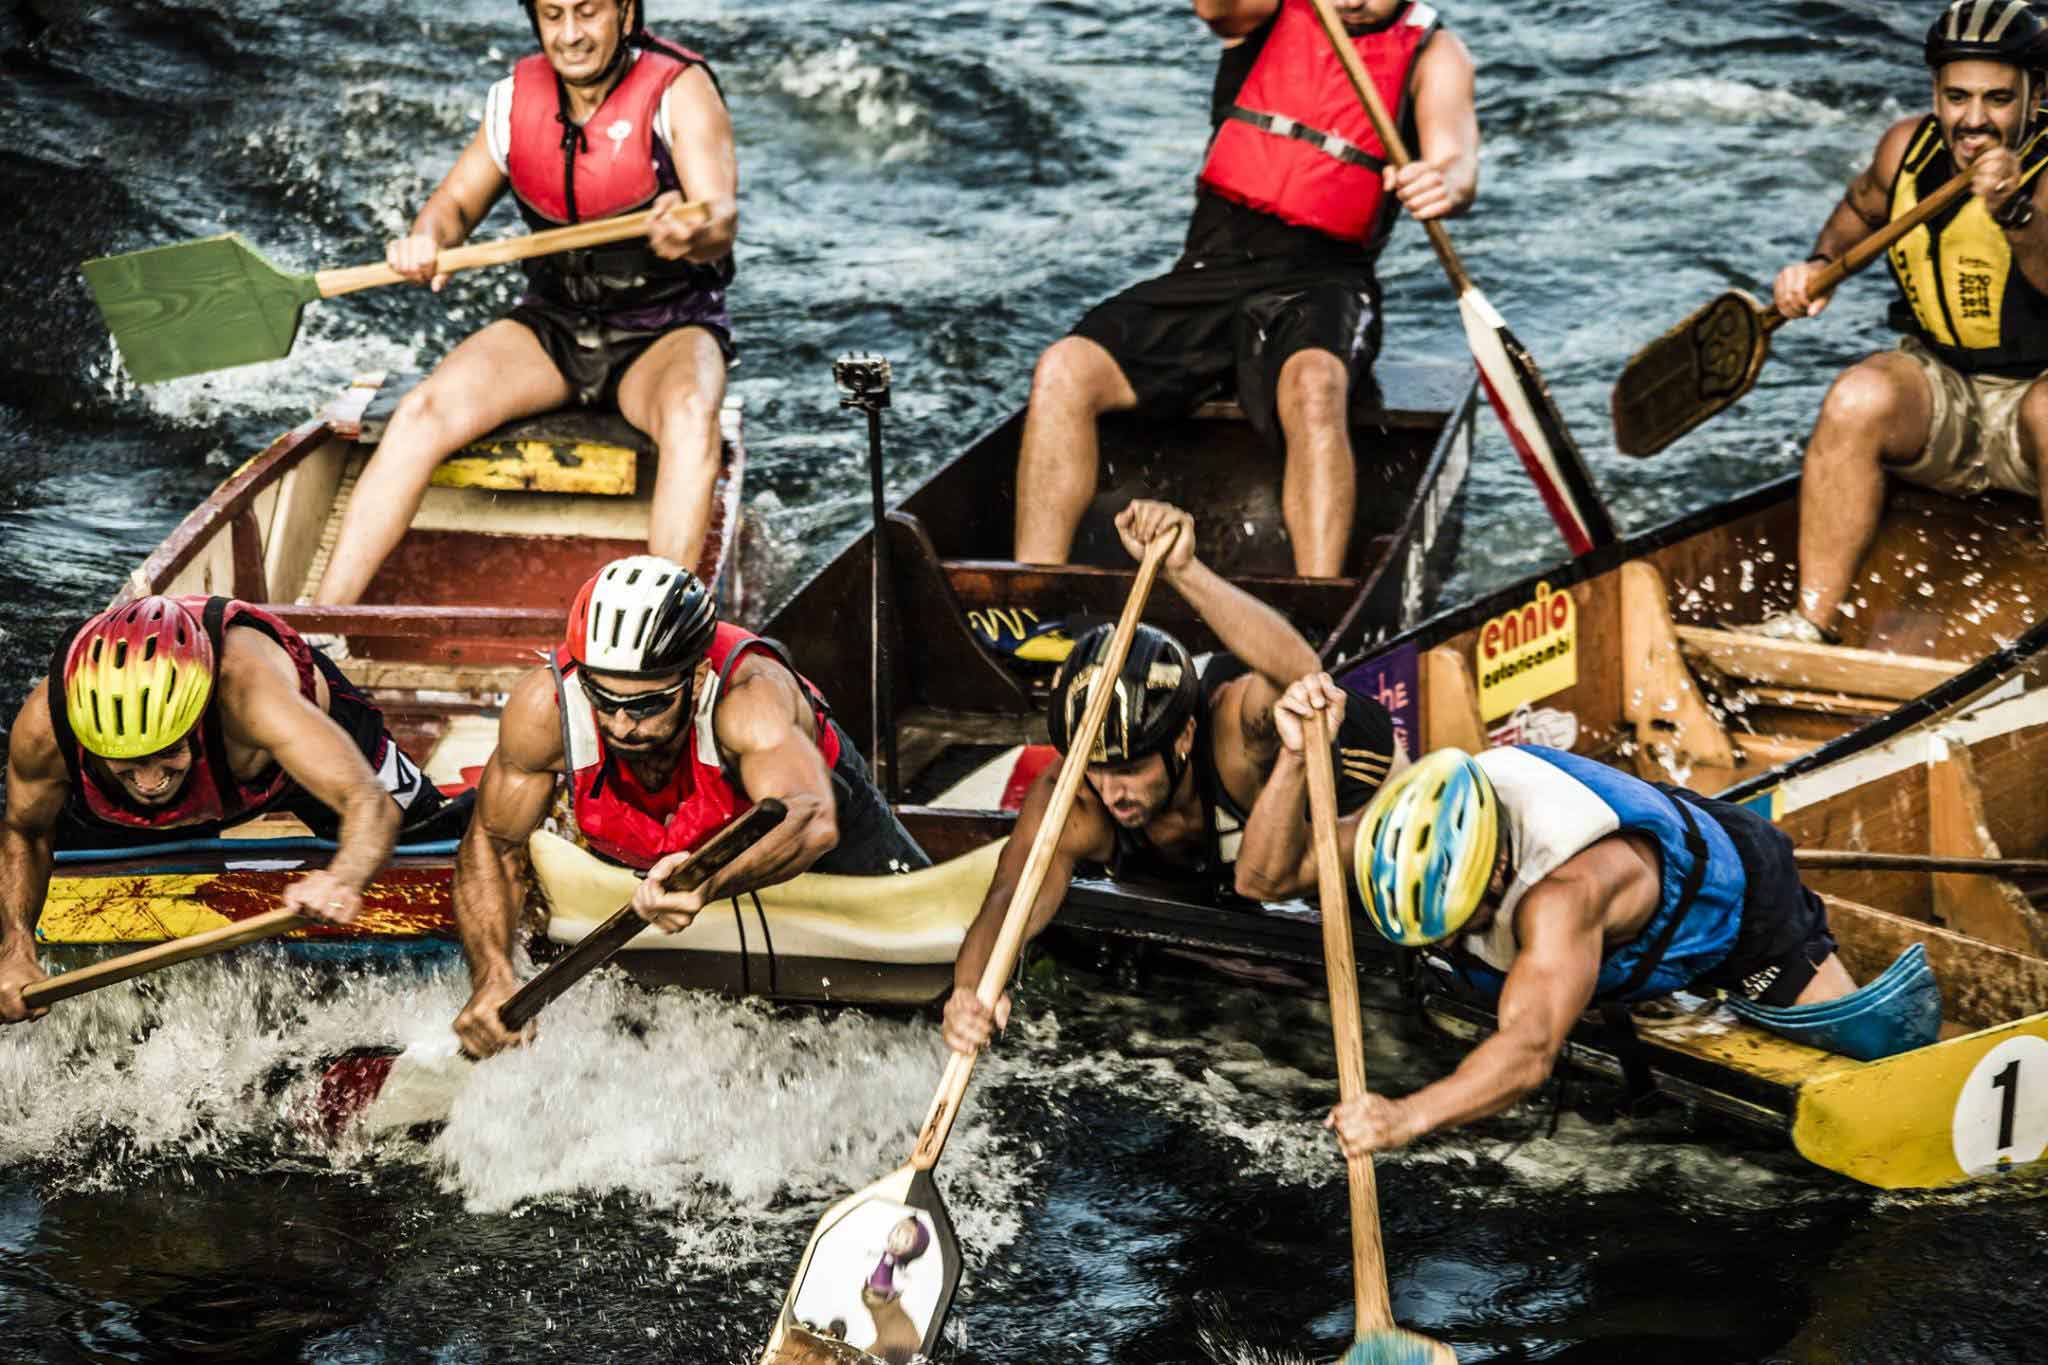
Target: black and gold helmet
x=1156, y=692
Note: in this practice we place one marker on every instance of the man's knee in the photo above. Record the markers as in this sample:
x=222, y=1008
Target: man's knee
x=1314, y=389
x=1873, y=398
x=686, y=426
x=1076, y=374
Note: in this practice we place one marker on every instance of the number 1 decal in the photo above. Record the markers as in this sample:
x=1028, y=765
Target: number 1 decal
x=2001, y=1117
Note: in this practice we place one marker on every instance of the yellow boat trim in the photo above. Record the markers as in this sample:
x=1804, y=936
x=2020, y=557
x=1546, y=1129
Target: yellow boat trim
x=542, y=467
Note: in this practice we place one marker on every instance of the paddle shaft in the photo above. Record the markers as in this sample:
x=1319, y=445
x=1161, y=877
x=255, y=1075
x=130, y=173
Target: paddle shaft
x=1368, y=1256
x=595, y=948
x=602, y=232
x=1843, y=860
x=1390, y=136
x=1002, y=958
x=1876, y=244
x=163, y=955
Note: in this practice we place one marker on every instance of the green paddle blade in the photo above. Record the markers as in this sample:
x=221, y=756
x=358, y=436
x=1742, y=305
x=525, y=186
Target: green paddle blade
x=197, y=306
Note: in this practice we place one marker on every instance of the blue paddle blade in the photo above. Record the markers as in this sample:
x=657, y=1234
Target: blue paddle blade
x=1396, y=1347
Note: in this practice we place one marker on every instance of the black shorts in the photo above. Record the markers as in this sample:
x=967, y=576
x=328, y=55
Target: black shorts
x=1214, y=329
x=1784, y=936
x=592, y=353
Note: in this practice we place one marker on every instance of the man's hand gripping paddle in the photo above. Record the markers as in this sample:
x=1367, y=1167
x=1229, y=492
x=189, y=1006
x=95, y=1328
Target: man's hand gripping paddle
x=1514, y=385
x=1378, y=1342
x=1713, y=358
x=381, y=1088
x=884, y=1260
x=130, y=965
x=214, y=303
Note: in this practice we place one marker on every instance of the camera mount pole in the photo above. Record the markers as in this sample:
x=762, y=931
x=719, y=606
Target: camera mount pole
x=864, y=383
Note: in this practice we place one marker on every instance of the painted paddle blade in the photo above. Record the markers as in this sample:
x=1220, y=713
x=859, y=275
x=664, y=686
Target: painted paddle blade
x=1690, y=373
x=876, y=1280
x=379, y=1089
x=1522, y=401
x=197, y=306
x=1396, y=1347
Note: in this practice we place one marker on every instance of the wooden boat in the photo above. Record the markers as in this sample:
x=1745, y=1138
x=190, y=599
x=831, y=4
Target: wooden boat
x=484, y=578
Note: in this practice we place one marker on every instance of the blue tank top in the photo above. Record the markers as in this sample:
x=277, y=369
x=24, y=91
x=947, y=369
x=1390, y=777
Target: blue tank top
x=1556, y=804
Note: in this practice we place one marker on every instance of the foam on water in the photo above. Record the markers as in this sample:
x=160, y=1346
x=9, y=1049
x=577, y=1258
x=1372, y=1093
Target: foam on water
x=840, y=82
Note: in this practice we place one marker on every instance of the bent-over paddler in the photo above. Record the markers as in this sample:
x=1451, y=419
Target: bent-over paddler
x=604, y=121
x=1550, y=883
x=1179, y=762
x=171, y=718
x=666, y=725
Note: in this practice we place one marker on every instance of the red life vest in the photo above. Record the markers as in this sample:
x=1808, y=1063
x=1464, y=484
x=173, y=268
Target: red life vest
x=608, y=167
x=619, y=819
x=212, y=792
x=1297, y=143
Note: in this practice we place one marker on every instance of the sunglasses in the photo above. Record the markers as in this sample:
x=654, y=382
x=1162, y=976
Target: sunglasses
x=638, y=706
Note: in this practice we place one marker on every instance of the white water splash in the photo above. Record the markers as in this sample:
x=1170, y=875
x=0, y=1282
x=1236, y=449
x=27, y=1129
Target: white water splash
x=838, y=82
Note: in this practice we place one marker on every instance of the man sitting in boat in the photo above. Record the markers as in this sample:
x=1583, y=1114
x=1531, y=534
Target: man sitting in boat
x=667, y=726
x=1551, y=883
x=1181, y=758
x=603, y=121
x=1962, y=405
x=174, y=718
x=1274, y=297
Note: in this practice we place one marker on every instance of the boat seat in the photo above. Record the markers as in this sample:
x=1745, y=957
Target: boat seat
x=1794, y=664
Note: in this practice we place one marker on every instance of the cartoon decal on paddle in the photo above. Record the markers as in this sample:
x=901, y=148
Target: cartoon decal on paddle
x=866, y=1286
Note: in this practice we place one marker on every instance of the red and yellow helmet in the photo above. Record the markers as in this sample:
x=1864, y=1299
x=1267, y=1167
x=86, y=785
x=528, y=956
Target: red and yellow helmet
x=137, y=678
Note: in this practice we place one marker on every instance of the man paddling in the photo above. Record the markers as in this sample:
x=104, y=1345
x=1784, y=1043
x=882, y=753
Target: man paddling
x=666, y=725
x=1962, y=405
x=1551, y=883
x=1274, y=297
x=173, y=718
x=603, y=121
x=1181, y=758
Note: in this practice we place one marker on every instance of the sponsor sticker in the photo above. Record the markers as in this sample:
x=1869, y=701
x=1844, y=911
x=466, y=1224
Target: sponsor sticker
x=1393, y=679
x=1545, y=725
x=1528, y=653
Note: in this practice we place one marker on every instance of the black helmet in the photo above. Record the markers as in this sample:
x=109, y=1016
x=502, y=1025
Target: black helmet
x=1155, y=694
x=2010, y=31
x=641, y=617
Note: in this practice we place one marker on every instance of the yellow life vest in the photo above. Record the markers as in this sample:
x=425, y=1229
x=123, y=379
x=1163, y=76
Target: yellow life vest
x=1963, y=294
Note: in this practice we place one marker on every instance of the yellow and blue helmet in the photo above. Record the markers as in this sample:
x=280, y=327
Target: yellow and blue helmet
x=1426, y=848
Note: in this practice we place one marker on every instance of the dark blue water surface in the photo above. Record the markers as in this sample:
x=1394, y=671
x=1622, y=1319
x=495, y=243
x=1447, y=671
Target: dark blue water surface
x=1141, y=1177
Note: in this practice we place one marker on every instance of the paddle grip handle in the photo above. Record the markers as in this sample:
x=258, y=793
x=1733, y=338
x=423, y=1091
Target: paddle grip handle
x=625, y=925
x=1340, y=964
x=602, y=232
x=1390, y=136
x=1877, y=243
x=1002, y=960
x=163, y=955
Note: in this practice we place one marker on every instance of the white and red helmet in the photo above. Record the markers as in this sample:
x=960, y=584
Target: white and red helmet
x=641, y=617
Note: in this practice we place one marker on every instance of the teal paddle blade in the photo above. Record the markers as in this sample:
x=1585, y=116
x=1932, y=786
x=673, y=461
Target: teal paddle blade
x=197, y=306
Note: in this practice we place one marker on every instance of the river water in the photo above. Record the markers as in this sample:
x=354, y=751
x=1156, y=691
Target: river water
x=1139, y=1176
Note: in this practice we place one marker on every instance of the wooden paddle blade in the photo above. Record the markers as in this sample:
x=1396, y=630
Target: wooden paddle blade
x=1392, y=1346
x=1522, y=401
x=197, y=306
x=876, y=1280
x=1690, y=373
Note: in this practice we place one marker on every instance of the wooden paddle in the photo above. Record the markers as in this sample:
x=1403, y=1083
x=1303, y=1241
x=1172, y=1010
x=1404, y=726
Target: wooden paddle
x=1713, y=358
x=1849, y=860
x=163, y=955
x=210, y=304
x=382, y=1088
x=835, y=1277
x=1378, y=1341
x=1514, y=385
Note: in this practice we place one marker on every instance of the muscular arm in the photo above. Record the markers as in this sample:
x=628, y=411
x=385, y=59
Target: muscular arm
x=1866, y=205
x=36, y=788
x=1276, y=859
x=700, y=136
x=1549, y=986
x=512, y=798
x=766, y=727
x=463, y=197
x=1447, y=120
x=262, y=708
x=1086, y=837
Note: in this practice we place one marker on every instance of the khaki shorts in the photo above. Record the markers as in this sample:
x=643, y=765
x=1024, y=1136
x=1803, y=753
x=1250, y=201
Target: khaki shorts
x=1974, y=441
